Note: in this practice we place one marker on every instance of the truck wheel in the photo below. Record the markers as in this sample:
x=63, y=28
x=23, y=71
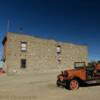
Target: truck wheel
x=73, y=84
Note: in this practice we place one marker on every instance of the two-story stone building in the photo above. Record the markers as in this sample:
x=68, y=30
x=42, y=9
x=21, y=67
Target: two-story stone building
x=36, y=54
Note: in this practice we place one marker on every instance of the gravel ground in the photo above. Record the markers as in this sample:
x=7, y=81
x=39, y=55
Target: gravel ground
x=42, y=87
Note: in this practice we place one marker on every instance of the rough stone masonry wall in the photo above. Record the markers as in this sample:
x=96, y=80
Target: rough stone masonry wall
x=41, y=54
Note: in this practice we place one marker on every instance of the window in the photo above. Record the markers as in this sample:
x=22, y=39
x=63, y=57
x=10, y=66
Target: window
x=23, y=63
x=58, y=49
x=23, y=46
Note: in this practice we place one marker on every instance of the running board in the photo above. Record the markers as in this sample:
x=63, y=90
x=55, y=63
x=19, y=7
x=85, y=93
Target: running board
x=92, y=81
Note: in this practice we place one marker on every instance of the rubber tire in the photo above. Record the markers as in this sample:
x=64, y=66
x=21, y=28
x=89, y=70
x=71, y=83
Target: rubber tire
x=68, y=84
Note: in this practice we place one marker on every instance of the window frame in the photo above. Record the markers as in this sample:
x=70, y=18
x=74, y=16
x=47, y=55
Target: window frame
x=58, y=49
x=23, y=63
x=23, y=48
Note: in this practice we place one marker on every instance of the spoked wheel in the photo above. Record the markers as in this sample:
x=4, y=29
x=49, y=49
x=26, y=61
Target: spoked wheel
x=73, y=84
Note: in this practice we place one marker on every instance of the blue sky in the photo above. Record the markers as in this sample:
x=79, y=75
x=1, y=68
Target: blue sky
x=75, y=21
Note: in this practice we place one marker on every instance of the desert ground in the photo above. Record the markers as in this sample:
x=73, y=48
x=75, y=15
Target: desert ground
x=42, y=86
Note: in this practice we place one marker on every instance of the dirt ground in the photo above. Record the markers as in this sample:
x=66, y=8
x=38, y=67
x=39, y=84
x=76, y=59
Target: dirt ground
x=42, y=87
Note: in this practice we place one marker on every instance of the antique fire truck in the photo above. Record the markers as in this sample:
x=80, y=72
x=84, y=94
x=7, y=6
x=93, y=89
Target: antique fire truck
x=81, y=74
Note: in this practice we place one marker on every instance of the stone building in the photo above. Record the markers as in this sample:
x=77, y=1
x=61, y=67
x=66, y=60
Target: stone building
x=23, y=52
